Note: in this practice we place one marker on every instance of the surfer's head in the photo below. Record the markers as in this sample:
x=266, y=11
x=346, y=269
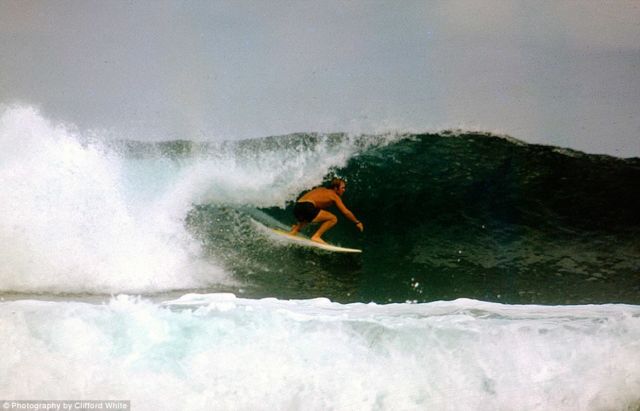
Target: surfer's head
x=338, y=185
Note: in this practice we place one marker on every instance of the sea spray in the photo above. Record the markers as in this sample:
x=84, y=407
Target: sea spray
x=66, y=224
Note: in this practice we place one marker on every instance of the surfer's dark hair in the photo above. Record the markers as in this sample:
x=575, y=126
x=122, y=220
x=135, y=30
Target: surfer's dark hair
x=335, y=182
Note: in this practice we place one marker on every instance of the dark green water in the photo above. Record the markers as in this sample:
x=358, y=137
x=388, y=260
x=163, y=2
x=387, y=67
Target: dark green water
x=447, y=216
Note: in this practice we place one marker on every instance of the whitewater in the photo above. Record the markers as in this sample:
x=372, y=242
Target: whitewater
x=133, y=271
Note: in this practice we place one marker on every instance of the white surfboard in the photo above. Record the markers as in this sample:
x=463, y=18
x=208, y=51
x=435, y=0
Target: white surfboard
x=303, y=241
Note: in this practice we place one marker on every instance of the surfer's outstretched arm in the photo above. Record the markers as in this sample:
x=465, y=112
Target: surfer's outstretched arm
x=347, y=213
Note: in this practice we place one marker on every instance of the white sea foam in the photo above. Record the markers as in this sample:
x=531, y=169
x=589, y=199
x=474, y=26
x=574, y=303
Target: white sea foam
x=219, y=351
x=67, y=223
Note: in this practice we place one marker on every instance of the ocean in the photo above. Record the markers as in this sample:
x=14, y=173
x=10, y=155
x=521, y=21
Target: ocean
x=495, y=274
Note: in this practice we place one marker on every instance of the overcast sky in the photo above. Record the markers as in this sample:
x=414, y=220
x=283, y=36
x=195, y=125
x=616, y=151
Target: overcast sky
x=565, y=73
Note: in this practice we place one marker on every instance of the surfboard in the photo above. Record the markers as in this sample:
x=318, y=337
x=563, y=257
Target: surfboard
x=306, y=242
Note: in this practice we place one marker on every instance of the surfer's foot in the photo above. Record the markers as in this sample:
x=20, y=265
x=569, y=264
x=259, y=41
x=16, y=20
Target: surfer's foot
x=318, y=240
x=295, y=230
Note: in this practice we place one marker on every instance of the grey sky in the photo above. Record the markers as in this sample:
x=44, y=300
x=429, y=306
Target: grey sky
x=556, y=72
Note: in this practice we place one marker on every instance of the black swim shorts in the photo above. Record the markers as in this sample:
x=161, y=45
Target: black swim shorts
x=305, y=211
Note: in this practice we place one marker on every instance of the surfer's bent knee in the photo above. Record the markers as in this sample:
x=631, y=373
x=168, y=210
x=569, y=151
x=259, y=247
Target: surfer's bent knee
x=325, y=216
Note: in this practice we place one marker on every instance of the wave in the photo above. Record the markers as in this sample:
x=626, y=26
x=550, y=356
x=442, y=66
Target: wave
x=454, y=215
x=447, y=215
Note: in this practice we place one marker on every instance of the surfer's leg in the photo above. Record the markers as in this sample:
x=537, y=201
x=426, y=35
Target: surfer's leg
x=296, y=228
x=304, y=212
x=326, y=220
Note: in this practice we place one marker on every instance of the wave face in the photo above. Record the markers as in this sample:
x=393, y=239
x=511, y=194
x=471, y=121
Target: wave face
x=446, y=215
x=486, y=217
x=204, y=351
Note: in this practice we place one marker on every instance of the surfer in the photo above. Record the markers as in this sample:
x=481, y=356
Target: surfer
x=310, y=208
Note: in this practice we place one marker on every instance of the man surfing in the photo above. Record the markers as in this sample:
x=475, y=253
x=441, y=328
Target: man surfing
x=310, y=208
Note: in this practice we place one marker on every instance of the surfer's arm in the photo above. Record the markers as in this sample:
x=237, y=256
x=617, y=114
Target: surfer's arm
x=344, y=210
